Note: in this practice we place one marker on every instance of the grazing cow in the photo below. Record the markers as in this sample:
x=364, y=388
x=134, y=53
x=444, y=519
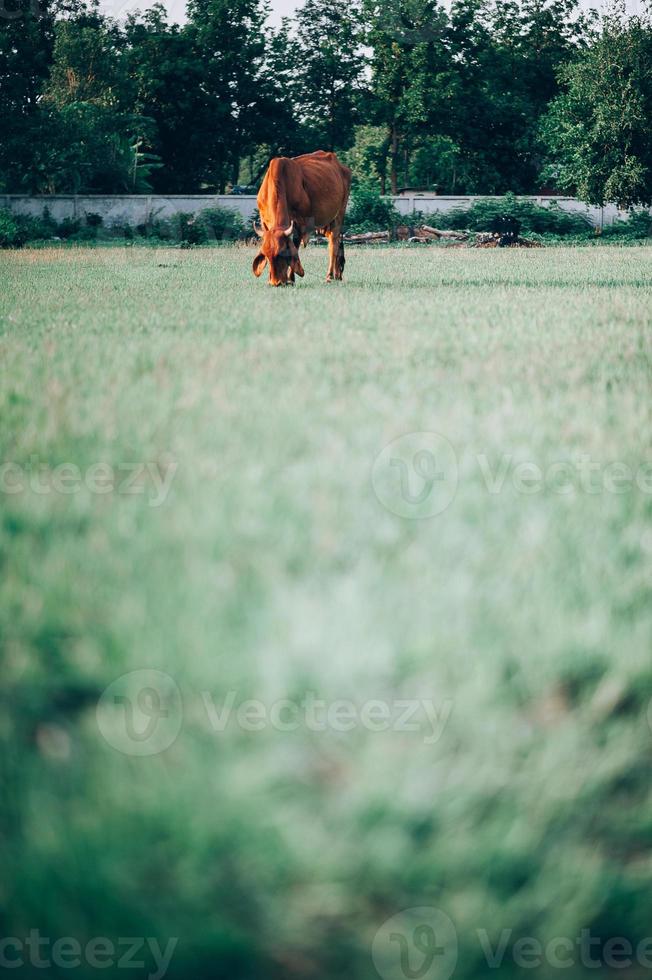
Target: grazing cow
x=298, y=196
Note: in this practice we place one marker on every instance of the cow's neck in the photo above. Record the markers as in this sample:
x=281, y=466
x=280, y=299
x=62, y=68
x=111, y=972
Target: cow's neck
x=278, y=199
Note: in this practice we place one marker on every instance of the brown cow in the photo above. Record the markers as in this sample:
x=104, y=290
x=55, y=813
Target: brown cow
x=297, y=196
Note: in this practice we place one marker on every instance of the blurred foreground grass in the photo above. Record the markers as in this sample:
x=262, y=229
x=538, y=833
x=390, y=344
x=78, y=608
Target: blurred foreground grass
x=217, y=529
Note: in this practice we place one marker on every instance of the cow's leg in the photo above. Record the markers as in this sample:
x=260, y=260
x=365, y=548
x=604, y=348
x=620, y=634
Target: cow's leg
x=341, y=260
x=335, y=253
x=330, y=275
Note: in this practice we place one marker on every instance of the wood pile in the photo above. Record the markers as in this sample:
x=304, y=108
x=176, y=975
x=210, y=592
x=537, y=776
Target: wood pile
x=367, y=238
x=425, y=234
x=406, y=233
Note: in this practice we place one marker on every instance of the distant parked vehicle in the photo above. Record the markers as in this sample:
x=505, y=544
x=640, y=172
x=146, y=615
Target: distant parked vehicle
x=244, y=189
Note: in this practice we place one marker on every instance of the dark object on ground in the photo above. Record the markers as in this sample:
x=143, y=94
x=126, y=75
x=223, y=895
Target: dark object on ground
x=507, y=228
x=490, y=240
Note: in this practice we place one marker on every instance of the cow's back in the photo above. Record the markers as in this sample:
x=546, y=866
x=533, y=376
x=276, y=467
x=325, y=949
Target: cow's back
x=326, y=182
x=312, y=188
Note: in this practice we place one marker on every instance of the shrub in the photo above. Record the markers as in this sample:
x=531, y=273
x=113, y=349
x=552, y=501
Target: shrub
x=368, y=211
x=68, y=227
x=123, y=230
x=83, y=234
x=41, y=228
x=94, y=220
x=637, y=227
x=11, y=235
x=222, y=224
x=188, y=229
x=551, y=220
x=158, y=228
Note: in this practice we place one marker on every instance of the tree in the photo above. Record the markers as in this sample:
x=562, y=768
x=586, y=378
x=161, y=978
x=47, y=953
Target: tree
x=228, y=42
x=506, y=58
x=26, y=44
x=166, y=72
x=330, y=65
x=367, y=157
x=409, y=64
x=598, y=131
x=88, y=137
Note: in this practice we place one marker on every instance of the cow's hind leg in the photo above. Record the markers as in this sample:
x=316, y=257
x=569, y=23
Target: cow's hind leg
x=335, y=253
x=341, y=259
x=330, y=275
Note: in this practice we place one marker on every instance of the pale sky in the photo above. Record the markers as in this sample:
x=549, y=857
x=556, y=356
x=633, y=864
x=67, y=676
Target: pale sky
x=176, y=8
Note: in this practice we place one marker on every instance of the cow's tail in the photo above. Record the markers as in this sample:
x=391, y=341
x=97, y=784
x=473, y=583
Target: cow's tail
x=341, y=258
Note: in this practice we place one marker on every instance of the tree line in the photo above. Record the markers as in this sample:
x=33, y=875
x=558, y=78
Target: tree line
x=484, y=97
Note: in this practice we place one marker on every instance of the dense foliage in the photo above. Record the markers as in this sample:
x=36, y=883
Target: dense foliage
x=600, y=129
x=478, y=96
x=549, y=220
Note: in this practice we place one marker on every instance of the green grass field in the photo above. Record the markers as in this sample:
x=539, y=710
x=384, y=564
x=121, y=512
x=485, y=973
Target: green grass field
x=446, y=638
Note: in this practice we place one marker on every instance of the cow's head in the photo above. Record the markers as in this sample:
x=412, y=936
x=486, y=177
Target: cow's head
x=279, y=248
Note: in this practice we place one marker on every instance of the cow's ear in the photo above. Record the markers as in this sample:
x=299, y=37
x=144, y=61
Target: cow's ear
x=259, y=264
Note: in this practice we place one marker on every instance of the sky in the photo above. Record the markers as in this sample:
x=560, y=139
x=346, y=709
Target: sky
x=176, y=8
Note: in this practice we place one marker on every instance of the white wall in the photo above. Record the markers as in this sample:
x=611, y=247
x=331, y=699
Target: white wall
x=133, y=209
x=137, y=209
x=430, y=204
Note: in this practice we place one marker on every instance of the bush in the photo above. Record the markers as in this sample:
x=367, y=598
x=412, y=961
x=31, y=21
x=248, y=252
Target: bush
x=83, y=234
x=188, y=229
x=11, y=235
x=636, y=228
x=222, y=224
x=368, y=211
x=37, y=229
x=94, y=220
x=68, y=227
x=534, y=219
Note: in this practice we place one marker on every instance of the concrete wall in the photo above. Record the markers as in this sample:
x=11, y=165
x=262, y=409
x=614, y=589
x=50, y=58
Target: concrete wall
x=137, y=209
x=432, y=205
x=134, y=209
